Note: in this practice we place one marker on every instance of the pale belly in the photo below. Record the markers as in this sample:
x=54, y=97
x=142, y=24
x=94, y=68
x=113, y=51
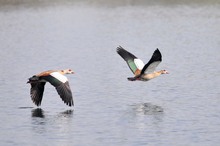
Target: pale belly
x=147, y=77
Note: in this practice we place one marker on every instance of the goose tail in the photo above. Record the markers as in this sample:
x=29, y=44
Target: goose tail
x=33, y=79
x=132, y=79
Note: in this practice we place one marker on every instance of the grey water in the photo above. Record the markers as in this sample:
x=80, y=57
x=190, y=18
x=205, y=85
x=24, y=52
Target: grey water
x=180, y=108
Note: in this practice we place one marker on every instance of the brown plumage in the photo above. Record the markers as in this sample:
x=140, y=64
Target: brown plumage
x=142, y=72
x=55, y=78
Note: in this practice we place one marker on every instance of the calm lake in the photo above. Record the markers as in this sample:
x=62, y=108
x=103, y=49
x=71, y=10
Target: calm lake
x=177, y=109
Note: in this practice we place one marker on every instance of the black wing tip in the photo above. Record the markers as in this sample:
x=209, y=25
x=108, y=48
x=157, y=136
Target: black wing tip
x=37, y=103
x=157, y=50
x=157, y=55
x=119, y=48
x=65, y=93
x=70, y=104
x=36, y=100
x=121, y=51
x=68, y=101
x=125, y=54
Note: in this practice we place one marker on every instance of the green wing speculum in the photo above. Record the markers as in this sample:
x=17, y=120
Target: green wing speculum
x=133, y=62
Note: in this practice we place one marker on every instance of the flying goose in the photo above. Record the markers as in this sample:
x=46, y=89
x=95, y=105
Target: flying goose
x=57, y=79
x=142, y=72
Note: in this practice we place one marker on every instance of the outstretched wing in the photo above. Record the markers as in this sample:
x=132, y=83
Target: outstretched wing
x=65, y=93
x=152, y=63
x=60, y=82
x=133, y=62
x=37, y=90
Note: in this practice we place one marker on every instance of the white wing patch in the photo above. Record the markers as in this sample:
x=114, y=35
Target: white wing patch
x=139, y=63
x=59, y=77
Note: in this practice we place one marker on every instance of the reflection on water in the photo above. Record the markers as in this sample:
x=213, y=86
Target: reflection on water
x=67, y=113
x=25, y=107
x=147, y=108
x=38, y=112
x=43, y=121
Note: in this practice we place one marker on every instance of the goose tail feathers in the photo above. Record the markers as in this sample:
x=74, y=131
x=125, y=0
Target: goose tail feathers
x=33, y=79
x=132, y=79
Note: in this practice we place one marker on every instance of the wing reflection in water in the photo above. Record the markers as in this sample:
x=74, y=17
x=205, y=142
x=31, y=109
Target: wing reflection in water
x=147, y=108
x=67, y=113
x=44, y=120
x=38, y=112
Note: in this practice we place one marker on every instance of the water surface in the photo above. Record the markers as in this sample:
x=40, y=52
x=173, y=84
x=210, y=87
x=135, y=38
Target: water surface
x=181, y=108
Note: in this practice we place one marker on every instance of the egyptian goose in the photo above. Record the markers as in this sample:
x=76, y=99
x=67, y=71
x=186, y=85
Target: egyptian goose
x=57, y=79
x=142, y=72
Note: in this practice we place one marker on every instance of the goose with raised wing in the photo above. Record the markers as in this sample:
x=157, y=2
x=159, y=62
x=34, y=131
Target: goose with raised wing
x=142, y=72
x=55, y=78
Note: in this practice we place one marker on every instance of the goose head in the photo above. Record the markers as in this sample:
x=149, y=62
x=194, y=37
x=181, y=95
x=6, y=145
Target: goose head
x=67, y=71
x=164, y=72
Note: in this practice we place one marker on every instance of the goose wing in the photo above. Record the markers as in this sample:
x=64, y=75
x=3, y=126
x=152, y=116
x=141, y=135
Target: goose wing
x=37, y=90
x=60, y=82
x=65, y=93
x=133, y=62
x=152, y=63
